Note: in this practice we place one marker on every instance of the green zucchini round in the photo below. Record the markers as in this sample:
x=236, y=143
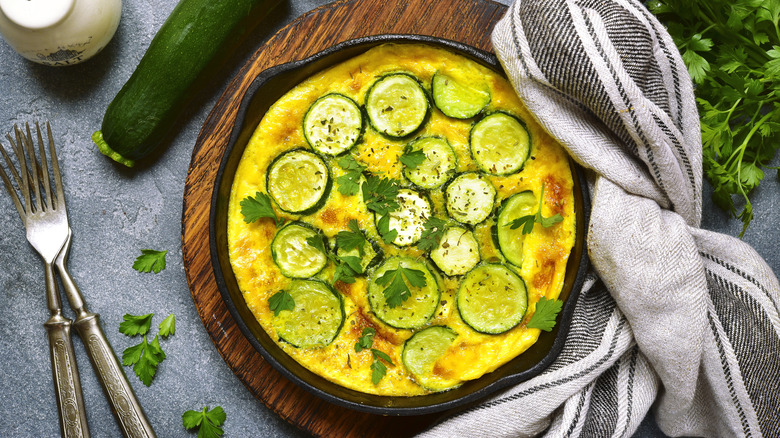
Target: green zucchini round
x=492, y=299
x=191, y=45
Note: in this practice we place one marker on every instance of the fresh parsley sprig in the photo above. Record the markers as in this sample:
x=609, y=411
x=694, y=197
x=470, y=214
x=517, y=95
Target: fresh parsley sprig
x=349, y=183
x=366, y=339
x=380, y=194
x=281, y=301
x=544, y=316
x=396, y=290
x=732, y=52
x=432, y=233
x=528, y=221
x=150, y=260
x=208, y=422
x=347, y=267
x=378, y=368
x=145, y=356
x=257, y=207
x=412, y=159
x=354, y=238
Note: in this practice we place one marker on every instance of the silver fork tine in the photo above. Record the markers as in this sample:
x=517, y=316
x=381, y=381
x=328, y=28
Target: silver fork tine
x=27, y=140
x=44, y=170
x=9, y=186
x=9, y=162
x=25, y=186
x=55, y=168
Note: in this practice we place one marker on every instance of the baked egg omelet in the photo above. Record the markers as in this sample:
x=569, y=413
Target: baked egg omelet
x=396, y=220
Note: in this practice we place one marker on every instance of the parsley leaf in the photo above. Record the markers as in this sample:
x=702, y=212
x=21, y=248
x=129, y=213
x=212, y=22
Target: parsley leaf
x=354, y=238
x=378, y=369
x=380, y=194
x=397, y=291
x=366, y=339
x=135, y=324
x=150, y=260
x=412, y=159
x=318, y=242
x=349, y=183
x=258, y=207
x=732, y=52
x=347, y=267
x=383, y=228
x=527, y=222
x=168, y=326
x=432, y=233
x=544, y=316
x=144, y=356
x=208, y=421
x=281, y=301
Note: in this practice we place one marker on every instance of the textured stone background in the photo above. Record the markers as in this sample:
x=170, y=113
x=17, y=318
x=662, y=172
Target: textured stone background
x=115, y=212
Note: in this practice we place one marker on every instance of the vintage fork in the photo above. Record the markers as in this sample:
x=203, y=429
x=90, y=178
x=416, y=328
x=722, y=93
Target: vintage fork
x=125, y=405
x=46, y=222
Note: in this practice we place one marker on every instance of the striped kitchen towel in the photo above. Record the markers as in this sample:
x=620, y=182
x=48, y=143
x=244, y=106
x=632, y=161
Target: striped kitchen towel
x=673, y=318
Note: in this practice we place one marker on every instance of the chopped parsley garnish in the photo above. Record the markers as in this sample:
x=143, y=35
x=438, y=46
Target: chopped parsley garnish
x=281, y=301
x=383, y=227
x=144, y=356
x=378, y=369
x=150, y=261
x=544, y=316
x=397, y=290
x=354, y=238
x=257, y=207
x=208, y=422
x=432, y=233
x=527, y=222
x=380, y=194
x=349, y=183
x=412, y=159
x=366, y=339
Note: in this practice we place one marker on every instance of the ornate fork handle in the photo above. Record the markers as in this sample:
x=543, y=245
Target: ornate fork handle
x=67, y=385
x=129, y=413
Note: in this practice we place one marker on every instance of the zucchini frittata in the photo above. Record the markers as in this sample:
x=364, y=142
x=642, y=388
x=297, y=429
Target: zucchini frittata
x=384, y=221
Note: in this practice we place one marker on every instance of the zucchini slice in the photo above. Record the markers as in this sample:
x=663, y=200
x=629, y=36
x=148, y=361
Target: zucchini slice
x=421, y=352
x=510, y=242
x=439, y=164
x=316, y=319
x=457, y=99
x=397, y=105
x=500, y=144
x=293, y=255
x=299, y=181
x=333, y=124
x=409, y=219
x=457, y=253
x=469, y=198
x=492, y=299
x=415, y=311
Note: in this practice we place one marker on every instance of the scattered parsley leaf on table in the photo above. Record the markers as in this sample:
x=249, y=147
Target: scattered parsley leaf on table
x=544, y=316
x=412, y=159
x=732, y=52
x=144, y=356
x=208, y=422
x=366, y=339
x=258, y=207
x=168, y=326
x=281, y=301
x=397, y=291
x=349, y=183
x=528, y=221
x=150, y=260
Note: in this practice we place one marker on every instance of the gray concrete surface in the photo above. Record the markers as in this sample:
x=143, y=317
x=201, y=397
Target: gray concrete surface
x=115, y=212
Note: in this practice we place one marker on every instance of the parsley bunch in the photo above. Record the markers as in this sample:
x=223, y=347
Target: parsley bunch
x=145, y=356
x=732, y=51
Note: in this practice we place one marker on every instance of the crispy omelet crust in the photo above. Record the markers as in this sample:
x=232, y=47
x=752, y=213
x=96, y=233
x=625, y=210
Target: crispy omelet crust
x=546, y=250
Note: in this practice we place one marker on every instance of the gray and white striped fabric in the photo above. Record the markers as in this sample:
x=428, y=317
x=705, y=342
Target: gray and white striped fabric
x=674, y=318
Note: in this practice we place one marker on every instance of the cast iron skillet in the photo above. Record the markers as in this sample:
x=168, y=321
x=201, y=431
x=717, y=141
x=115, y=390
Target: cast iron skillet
x=268, y=87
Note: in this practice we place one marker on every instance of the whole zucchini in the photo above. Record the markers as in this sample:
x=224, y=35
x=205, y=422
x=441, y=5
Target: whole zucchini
x=193, y=42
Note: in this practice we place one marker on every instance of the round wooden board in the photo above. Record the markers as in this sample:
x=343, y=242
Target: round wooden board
x=466, y=21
